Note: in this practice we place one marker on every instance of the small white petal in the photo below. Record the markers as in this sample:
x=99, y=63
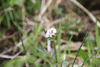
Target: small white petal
x=47, y=35
x=51, y=32
x=50, y=35
x=54, y=30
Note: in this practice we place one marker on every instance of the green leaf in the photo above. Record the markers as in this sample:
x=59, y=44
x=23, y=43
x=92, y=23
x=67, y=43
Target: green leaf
x=64, y=63
x=84, y=55
x=52, y=53
x=18, y=62
x=59, y=11
x=98, y=61
x=33, y=5
x=37, y=4
x=59, y=37
x=12, y=2
x=11, y=15
x=35, y=18
x=57, y=64
x=97, y=34
x=37, y=32
x=97, y=37
x=18, y=2
x=44, y=44
x=8, y=19
x=43, y=51
x=1, y=18
x=15, y=23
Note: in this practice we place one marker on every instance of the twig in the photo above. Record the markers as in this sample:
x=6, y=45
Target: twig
x=9, y=50
x=11, y=57
x=7, y=37
x=57, y=3
x=42, y=5
x=16, y=54
x=27, y=65
x=57, y=21
x=73, y=48
x=39, y=60
x=86, y=11
x=44, y=9
x=29, y=22
x=6, y=56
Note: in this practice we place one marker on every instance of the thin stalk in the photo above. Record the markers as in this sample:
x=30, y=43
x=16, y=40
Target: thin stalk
x=80, y=47
x=97, y=38
x=89, y=51
x=59, y=39
x=15, y=23
x=22, y=41
x=94, y=61
x=62, y=62
x=69, y=51
x=55, y=50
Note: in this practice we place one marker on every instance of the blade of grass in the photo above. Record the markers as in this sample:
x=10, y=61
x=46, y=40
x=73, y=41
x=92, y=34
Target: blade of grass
x=21, y=40
x=69, y=43
x=8, y=19
x=89, y=51
x=32, y=43
x=67, y=46
x=15, y=22
x=35, y=39
x=84, y=55
x=59, y=38
x=55, y=50
x=19, y=28
x=94, y=60
x=90, y=56
x=37, y=33
x=80, y=47
x=97, y=37
x=41, y=55
x=11, y=15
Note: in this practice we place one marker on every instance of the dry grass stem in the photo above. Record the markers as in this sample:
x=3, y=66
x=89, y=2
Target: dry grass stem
x=23, y=16
x=44, y=9
x=31, y=23
x=57, y=21
x=42, y=5
x=7, y=56
x=57, y=3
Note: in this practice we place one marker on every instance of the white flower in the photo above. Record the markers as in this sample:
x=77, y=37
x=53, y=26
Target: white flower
x=51, y=32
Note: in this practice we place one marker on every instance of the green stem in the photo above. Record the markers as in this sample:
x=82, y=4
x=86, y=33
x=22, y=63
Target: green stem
x=80, y=47
x=55, y=50
x=22, y=41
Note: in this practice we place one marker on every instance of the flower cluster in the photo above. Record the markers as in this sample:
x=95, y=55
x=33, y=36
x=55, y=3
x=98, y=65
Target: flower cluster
x=51, y=32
